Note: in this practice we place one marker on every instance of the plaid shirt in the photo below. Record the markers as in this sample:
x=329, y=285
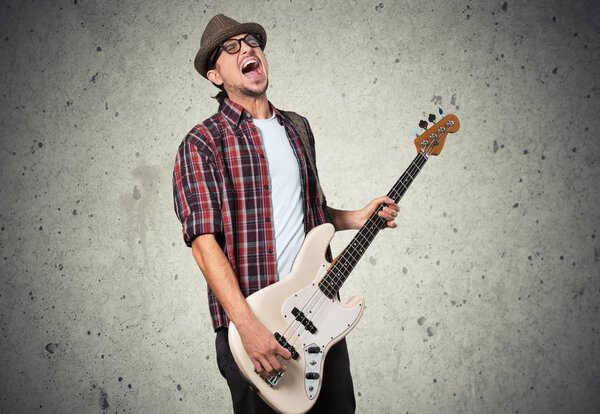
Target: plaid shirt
x=221, y=186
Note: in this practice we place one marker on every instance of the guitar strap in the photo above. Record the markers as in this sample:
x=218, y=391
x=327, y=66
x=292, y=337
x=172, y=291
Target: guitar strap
x=303, y=132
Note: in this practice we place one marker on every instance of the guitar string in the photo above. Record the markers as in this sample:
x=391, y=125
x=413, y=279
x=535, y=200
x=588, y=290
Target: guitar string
x=351, y=250
x=396, y=192
x=347, y=268
x=312, y=309
x=322, y=299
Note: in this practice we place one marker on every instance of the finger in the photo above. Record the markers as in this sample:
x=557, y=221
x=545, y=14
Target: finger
x=379, y=200
x=257, y=367
x=391, y=211
x=388, y=214
x=385, y=216
x=390, y=225
x=388, y=202
x=277, y=367
x=393, y=206
x=267, y=368
x=385, y=200
x=283, y=352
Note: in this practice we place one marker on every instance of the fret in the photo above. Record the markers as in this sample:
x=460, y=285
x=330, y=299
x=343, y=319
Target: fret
x=338, y=273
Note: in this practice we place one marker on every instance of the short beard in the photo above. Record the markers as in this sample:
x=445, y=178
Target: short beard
x=249, y=92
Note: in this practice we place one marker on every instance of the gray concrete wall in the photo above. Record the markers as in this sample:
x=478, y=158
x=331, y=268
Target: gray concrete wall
x=484, y=300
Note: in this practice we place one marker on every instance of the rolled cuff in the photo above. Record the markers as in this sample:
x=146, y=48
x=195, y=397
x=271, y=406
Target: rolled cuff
x=198, y=223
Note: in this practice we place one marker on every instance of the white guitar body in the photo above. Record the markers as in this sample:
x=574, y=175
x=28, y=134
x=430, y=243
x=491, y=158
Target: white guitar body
x=277, y=306
x=303, y=318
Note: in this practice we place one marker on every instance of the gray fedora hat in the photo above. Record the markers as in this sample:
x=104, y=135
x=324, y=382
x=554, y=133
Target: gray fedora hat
x=219, y=29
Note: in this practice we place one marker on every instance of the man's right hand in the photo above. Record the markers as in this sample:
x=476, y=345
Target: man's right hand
x=262, y=348
x=260, y=344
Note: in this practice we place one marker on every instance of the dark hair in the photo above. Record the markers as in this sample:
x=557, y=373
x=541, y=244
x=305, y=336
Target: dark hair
x=220, y=97
x=211, y=63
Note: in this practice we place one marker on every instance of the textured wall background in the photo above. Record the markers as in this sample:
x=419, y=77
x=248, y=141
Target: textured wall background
x=486, y=298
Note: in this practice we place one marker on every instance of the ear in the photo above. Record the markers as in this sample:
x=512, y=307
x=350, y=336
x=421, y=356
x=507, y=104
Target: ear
x=214, y=77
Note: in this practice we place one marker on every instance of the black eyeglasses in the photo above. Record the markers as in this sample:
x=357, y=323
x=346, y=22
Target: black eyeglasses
x=233, y=46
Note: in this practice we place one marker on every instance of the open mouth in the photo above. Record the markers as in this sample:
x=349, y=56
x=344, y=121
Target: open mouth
x=251, y=68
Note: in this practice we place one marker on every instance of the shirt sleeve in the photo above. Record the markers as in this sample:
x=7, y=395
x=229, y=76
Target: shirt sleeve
x=197, y=188
x=311, y=139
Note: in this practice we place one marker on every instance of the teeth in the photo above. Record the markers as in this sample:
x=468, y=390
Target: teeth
x=248, y=62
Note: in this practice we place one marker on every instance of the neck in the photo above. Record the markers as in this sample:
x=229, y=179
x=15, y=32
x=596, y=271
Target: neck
x=344, y=264
x=257, y=106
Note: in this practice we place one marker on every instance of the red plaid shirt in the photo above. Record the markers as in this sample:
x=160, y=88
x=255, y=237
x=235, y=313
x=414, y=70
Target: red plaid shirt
x=221, y=186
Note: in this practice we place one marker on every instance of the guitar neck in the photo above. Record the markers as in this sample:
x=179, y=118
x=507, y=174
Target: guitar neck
x=339, y=271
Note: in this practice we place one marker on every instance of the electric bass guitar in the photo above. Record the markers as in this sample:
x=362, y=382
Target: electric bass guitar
x=303, y=310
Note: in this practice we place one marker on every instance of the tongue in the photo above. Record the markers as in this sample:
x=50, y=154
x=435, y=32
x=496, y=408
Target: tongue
x=253, y=73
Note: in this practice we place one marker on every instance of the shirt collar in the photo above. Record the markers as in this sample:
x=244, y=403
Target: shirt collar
x=234, y=113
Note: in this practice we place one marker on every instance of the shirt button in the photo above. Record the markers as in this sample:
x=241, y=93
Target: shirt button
x=262, y=155
x=268, y=219
x=269, y=250
x=266, y=186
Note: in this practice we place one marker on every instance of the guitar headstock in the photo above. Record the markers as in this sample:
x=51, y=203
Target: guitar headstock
x=432, y=140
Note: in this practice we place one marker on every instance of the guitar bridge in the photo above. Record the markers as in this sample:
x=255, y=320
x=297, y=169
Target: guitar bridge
x=273, y=380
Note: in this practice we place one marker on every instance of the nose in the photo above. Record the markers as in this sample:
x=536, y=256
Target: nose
x=244, y=47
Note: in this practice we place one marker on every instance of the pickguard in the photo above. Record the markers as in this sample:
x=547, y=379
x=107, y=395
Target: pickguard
x=330, y=318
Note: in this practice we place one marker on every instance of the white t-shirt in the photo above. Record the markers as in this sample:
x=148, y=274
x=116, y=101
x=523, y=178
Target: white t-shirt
x=286, y=196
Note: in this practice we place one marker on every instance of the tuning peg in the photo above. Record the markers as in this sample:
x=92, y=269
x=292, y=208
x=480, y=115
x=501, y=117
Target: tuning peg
x=414, y=131
x=431, y=118
x=423, y=124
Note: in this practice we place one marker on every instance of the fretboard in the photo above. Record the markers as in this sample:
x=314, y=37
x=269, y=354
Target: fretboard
x=339, y=271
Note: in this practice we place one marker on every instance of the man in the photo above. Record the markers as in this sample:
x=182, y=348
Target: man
x=246, y=195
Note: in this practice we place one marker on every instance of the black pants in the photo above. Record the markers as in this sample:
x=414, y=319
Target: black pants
x=337, y=392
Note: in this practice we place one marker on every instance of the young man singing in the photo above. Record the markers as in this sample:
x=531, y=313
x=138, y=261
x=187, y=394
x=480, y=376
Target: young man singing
x=246, y=194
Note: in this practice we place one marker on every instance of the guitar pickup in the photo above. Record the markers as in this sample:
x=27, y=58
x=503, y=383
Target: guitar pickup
x=301, y=317
x=284, y=343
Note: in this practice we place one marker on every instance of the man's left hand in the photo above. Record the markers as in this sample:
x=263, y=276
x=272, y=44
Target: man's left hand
x=389, y=212
x=355, y=219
